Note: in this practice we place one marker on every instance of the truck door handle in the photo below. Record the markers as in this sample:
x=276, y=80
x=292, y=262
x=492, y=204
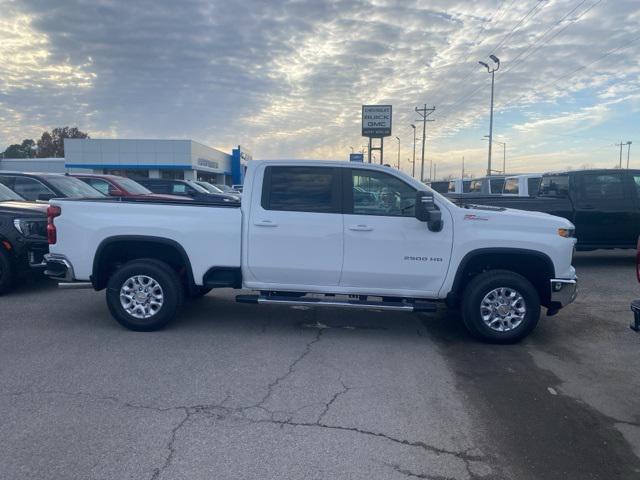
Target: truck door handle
x=265, y=223
x=588, y=207
x=361, y=228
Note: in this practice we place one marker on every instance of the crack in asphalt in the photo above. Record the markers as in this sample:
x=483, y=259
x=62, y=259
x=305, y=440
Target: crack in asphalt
x=409, y=473
x=289, y=371
x=157, y=472
x=220, y=411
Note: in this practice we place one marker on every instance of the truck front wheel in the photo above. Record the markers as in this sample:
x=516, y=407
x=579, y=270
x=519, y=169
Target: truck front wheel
x=144, y=295
x=500, y=306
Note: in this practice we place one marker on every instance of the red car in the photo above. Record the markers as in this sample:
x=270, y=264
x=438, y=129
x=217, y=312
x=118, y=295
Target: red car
x=116, y=186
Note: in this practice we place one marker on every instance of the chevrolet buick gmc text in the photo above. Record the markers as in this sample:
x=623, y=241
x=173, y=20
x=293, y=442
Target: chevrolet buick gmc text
x=320, y=233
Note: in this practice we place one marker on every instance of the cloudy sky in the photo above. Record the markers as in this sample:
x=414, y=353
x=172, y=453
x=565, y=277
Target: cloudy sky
x=287, y=78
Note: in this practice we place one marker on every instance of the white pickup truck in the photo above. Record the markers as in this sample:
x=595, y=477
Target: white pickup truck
x=319, y=233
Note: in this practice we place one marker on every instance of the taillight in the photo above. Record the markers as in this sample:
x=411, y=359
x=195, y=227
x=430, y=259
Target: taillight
x=52, y=212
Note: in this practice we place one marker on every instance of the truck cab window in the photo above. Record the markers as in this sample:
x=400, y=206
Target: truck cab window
x=533, y=185
x=378, y=193
x=30, y=188
x=496, y=185
x=511, y=186
x=301, y=189
x=555, y=185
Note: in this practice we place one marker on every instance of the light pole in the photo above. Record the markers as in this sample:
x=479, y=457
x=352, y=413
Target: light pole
x=492, y=71
x=504, y=153
x=628, y=152
x=398, y=138
x=413, y=170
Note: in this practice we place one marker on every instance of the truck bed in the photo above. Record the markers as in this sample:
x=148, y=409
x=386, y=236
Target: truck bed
x=208, y=233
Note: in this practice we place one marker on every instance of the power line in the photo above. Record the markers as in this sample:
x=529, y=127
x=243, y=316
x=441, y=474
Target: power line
x=508, y=35
x=514, y=63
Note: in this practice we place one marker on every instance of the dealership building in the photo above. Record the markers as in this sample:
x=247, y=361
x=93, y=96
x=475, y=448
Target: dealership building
x=176, y=159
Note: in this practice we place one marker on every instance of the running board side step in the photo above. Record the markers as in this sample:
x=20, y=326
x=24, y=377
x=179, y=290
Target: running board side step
x=419, y=306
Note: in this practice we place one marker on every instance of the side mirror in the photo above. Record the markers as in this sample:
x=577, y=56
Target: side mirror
x=45, y=197
x=426, y=211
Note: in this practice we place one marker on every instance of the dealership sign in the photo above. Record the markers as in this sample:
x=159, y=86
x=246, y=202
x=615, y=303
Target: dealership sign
x=356, y=157
x=376, y=121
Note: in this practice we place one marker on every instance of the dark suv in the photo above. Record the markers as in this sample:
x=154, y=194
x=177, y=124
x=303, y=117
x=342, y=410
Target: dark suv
x=186, y=188
x=23, y=237
x=45, y=186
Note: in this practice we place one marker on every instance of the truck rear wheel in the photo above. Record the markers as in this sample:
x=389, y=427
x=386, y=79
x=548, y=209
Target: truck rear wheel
x=144, y=295
x=500, y=307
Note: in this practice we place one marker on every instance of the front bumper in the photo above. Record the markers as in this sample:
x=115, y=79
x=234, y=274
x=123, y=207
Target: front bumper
x=635, y=308
x=563, y=291
x=59, y=268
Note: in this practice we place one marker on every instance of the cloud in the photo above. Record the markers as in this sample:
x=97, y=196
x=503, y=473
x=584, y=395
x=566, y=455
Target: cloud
x=288, y=77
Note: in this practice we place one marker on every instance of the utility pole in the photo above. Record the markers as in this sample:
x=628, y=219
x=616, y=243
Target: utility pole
x=628, y=152
x=492, y=71
x=620, y=145
x=435, y=165
x=462, y=168
x=424, y=112
x=398, y=138
x=413, y=170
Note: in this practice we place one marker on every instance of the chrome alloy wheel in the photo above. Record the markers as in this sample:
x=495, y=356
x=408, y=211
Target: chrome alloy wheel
x=503, y=309
x=141, y=296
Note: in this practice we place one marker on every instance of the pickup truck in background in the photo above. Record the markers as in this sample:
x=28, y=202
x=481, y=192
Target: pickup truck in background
x=320, y=233
x=524, y=185
x=603, y=204
x=23, y=238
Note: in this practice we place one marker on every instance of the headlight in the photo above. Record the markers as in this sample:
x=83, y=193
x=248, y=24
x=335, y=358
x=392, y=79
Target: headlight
x=566, y=232
x=27, y=227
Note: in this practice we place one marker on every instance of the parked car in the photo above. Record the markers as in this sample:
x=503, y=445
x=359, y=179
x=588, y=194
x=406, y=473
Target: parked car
x=603, y=204
x=184, y=188
x=301, y=230
x=116, y=186
x=23, y=238
x=524, y=185
x=214, y=189
x=459, y=186
x=238, y=187
x=45, y=186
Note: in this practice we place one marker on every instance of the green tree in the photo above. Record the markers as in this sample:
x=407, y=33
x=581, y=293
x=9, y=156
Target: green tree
x=26, y=149
x=52, y=144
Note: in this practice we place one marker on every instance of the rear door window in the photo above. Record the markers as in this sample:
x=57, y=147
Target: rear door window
x=301, y=189
x=603, y=187
x=100, y=185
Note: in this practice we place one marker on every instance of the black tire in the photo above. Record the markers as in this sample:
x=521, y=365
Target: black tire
x=7, y=274
x=165, y=277
x=482, y=285
x=197, y=292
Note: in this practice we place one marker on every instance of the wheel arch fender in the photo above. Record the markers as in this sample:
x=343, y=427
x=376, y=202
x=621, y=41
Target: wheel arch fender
x=131, y=247
x=535, y=266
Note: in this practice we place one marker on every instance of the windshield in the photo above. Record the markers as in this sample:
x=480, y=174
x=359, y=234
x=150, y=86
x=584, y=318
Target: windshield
x=224, y=188
x=196, y=187
x=7, y=194
x=210, y=188
x=72, y=187
x=133, y=187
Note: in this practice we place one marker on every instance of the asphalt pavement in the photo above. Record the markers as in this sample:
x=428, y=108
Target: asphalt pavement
x=233, y=391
